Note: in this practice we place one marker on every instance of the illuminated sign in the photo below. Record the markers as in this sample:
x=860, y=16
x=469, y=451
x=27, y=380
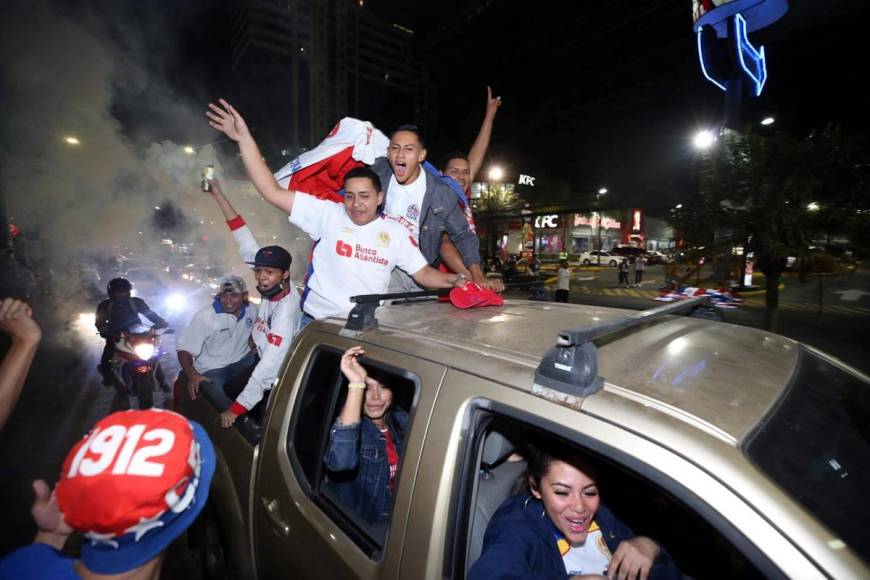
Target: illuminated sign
x=636, y=220
x=751, y=61
x=592, y=221
x=547, y=221
x=527, y=180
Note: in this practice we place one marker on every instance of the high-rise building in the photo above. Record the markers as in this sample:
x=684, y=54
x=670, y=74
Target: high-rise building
x=298, y=66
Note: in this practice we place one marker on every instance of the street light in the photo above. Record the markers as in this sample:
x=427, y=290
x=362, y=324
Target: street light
x=813, y=206
x=602, y=191
x=767, y=121
x=72, y=140
x=189, y=150
x=496, y=173
x=704, y=139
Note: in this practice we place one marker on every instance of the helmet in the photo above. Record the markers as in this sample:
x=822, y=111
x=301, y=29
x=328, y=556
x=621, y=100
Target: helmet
x=118, y=285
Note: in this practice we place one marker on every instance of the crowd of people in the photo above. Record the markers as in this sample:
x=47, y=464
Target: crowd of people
x=400, y=227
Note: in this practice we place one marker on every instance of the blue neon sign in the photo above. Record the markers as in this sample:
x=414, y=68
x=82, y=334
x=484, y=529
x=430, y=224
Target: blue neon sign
x=752, y=61
x=756, y=68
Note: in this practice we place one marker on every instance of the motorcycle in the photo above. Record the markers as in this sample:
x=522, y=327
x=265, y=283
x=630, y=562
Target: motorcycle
x=136, y=364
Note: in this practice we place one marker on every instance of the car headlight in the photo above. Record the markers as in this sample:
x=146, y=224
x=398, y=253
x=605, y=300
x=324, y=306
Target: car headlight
x=144, y=350
x=176, y=302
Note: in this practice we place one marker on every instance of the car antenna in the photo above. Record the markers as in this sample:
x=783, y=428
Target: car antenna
x=571, y=366
x=362, y=317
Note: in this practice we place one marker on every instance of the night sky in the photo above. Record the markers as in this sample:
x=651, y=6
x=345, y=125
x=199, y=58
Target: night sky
x=595, y=93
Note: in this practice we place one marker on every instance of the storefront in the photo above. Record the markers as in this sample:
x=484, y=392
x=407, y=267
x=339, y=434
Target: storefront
x=575, y=233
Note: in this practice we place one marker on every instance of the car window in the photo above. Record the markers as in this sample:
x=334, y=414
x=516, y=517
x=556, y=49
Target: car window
x=696, y=546
x=351, y=471
x=815, y=444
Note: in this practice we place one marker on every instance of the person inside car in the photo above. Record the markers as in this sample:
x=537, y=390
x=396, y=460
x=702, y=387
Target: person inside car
x=366, y=442
x=559, y=528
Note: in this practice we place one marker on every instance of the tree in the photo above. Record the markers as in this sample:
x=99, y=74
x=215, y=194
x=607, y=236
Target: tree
x=763, y=193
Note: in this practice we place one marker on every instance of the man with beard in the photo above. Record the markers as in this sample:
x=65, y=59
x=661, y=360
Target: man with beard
x=279, y=314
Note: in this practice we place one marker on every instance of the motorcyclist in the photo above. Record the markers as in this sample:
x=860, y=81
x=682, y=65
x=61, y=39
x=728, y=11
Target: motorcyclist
x=115, y=315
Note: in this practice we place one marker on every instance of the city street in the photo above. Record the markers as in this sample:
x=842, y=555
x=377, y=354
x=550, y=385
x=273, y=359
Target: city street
x=842, y=329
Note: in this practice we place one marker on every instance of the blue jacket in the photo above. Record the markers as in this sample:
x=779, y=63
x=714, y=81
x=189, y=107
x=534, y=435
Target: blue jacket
x=364, y=485
x=439, y=213
x=519, y=544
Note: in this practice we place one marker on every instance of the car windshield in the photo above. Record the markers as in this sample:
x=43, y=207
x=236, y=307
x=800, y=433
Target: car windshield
x=815, y=443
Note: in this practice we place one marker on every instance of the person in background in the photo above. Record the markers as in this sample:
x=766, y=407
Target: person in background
x=214, y=348
x=623, y=273
x=128, y=511
x=639, y=267
x=366, y=439
x=16, y=320
x=563, y=282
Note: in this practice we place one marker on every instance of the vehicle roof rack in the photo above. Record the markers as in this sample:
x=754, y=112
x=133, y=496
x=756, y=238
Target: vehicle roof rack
x=571, y=367
x=362, y=317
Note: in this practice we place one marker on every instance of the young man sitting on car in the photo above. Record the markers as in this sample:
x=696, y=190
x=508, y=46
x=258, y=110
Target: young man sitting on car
x=355, y=248
x=215, y=346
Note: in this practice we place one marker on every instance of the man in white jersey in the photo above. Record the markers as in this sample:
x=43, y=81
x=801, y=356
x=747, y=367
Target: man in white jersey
x=355, y=248
x=279, y=314
x=214, y=348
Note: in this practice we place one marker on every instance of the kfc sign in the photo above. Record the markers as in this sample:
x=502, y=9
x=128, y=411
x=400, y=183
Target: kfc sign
x=547, y=221
x=527, y=180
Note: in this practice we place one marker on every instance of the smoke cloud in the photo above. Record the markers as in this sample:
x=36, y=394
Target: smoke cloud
x=84, y=186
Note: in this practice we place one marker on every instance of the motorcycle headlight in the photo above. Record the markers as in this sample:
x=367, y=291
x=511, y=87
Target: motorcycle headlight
x=176, y=302
x=144, y=350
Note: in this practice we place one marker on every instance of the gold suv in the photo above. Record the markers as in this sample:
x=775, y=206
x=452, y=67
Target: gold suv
x=744, y=453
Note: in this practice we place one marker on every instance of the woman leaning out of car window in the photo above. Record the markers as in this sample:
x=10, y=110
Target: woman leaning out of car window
x=559, y=528
x=366, y=442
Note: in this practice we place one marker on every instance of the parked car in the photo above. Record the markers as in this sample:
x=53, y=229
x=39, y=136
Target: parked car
x=630, y=252
x=654, y=257
x=741, y=451
x=607, y=258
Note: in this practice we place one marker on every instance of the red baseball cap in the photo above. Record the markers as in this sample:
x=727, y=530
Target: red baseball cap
x=471, y=295
x=133, y=484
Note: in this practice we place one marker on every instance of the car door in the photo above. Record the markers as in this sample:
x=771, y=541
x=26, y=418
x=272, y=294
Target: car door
x=443, y=503
x=302, y=528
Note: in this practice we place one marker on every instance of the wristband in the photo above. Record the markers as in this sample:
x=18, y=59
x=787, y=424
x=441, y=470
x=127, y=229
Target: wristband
x=356, y=385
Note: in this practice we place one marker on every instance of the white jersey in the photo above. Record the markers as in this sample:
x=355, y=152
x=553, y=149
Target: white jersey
x=563, y=279
x=216, y=339
x=276, y=325
x=348, y=259
x=403, y=202
x=591, y=557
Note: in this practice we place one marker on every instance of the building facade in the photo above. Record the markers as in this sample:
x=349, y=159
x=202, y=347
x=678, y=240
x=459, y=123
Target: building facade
x=298, y=66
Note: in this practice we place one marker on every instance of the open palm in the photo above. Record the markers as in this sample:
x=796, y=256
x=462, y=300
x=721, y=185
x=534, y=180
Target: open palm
x=227, y=120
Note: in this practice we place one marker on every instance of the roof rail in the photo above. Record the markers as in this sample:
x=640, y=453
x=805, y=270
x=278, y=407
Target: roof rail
x=571, y=367
x=362, y=317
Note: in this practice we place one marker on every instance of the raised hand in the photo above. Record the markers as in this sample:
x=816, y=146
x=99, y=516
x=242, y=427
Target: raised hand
x=227, y=120
x=350, y=366
x=16, y=319
x=492, y=104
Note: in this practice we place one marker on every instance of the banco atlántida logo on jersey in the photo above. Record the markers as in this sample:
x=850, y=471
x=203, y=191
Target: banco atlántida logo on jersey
x=360, y=252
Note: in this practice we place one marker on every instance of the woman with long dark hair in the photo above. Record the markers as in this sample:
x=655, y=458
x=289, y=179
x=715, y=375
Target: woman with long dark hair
x=558, y=528
x=366, y=442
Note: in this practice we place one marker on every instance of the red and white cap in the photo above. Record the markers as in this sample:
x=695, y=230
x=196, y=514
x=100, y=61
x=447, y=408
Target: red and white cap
x=135, y=482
